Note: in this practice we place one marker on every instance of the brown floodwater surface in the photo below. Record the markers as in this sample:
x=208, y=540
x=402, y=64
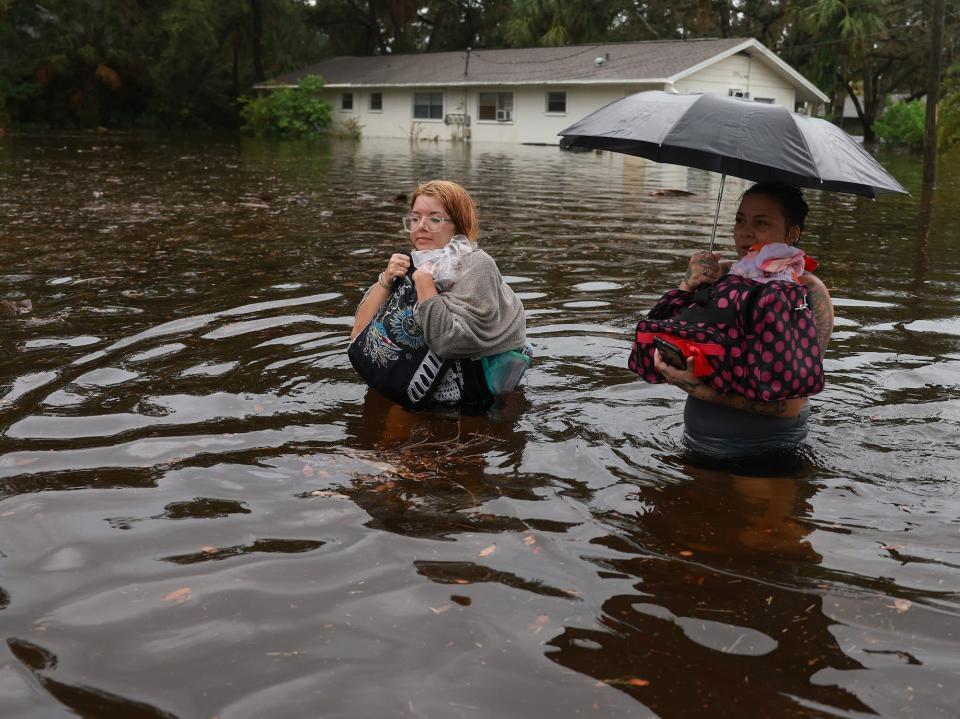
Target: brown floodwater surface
x=203, y=512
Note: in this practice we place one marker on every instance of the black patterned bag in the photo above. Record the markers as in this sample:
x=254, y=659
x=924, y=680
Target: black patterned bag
x=391, y=354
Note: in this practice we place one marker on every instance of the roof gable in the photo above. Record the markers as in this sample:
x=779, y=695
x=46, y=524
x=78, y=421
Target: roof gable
x=756, y=49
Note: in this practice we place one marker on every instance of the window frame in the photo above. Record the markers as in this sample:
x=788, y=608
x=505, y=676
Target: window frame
x=345, y=98
x=546, y=100
x=370, y=107
x=498, y=107
x=429, y=105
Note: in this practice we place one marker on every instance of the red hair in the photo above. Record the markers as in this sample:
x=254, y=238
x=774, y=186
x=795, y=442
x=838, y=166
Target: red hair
x=456, y=201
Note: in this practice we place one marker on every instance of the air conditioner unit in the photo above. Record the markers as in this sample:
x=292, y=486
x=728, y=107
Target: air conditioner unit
x=504, y=115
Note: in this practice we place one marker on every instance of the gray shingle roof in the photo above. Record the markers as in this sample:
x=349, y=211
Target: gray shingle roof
x=632, y=62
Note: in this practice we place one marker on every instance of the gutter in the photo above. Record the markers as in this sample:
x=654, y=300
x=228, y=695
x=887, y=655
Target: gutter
x=460, y=83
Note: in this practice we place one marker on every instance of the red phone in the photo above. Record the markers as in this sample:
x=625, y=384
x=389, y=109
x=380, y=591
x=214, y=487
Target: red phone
x=670, y=353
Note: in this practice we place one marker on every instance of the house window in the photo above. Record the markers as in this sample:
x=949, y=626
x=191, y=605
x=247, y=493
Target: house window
x=764, y=100
x=376, y=102
x=736, y=92
x=428, y=105
x=346, y=101
x=496, y=106
x=557, y=102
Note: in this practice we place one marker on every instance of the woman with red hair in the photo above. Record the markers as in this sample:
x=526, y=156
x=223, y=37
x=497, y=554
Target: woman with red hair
x=420, y=331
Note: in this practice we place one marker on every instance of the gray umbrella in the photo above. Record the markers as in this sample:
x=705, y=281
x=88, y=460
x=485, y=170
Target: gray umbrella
x=733, y=136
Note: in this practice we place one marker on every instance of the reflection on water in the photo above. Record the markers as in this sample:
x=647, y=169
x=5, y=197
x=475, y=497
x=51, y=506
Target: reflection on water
x=720, y=565
x=193, y=483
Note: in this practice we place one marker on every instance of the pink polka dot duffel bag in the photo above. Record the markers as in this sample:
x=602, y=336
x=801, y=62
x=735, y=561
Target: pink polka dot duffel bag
x=753, y=338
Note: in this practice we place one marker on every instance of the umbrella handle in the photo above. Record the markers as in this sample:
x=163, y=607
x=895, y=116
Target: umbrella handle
x=716, y=214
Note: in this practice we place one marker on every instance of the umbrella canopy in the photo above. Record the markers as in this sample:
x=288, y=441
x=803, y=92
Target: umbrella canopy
x=733, y=136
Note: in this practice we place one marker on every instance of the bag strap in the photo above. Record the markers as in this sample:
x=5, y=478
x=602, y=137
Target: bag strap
x=753, y=296
x=705, y=309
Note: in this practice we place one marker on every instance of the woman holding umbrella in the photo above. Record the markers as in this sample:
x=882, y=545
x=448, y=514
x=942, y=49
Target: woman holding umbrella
x=753, y=141
x=732, y=425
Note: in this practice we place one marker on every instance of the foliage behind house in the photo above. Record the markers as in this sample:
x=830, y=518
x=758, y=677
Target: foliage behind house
x=288, y=112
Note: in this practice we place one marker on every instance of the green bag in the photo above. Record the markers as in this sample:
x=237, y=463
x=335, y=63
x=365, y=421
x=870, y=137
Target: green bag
x=503, y=371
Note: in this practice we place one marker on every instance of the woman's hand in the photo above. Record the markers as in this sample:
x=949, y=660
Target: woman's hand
x=396, y=267
x=695, y=387
x=704, y=269
x=423, y=281
x=423, y=273
x=684, y=379
x=379, y=292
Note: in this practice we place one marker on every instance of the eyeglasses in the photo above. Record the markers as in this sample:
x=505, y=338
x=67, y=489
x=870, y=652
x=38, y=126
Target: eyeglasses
x=433, y=224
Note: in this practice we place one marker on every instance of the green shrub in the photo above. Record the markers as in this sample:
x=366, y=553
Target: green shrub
x=902, y=123
x=288, y=112
x=948, y=121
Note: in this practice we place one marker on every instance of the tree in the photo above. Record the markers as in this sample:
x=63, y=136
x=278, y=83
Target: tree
x=872, y=48
x=160, y=62
x=74, y=63
x=559, y=22
x=355, y=27
x=933, y=92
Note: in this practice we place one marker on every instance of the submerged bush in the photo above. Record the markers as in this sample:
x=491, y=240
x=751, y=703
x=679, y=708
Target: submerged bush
x=902, y=123
x=350, y=129
x=288, y=112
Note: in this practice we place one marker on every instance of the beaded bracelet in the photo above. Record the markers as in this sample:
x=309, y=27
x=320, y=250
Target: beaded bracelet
x=382, y=283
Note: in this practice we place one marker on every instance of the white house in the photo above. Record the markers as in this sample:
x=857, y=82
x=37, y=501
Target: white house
x=529, y=95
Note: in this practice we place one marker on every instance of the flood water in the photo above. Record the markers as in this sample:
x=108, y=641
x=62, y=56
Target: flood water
x=203, y=513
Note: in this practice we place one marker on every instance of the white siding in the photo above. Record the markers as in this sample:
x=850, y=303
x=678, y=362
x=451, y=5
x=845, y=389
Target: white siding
x=396, y=117
x=741, y=72
x=531, y=123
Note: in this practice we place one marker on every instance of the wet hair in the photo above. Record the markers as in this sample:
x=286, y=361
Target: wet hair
x=456, y=201
x=790, y=199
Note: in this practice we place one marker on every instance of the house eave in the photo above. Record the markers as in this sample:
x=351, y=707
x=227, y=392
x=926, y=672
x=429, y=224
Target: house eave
x=475, y=83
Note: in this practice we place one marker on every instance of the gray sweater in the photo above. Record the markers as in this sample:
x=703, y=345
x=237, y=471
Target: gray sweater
x=480, y=315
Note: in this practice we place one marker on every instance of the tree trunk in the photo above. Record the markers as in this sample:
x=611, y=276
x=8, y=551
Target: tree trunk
x=868, y=113
x=235, y=70
x=859, y=108
x=933, y=93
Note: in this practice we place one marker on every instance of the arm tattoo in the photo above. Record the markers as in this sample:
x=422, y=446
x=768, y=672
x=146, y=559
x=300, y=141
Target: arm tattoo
x=777, y=408
x=822, y=309
x=688, y=387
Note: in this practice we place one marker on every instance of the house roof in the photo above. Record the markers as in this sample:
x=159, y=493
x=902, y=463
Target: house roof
x=661, y=61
